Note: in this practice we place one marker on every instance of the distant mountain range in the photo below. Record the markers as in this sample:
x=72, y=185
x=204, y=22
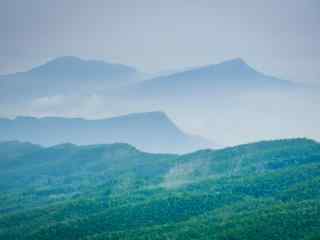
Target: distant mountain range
x=66, y=75
x=225, y=101
x=74, y=76
x=264, y=190
x=152, y=131
x=233, y=74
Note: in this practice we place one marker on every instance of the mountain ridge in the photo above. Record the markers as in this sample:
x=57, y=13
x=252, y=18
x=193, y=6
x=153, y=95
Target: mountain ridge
x=149, y=131
x=65, y=75
x=227, y=75
x=115, y=192
x=72, y=60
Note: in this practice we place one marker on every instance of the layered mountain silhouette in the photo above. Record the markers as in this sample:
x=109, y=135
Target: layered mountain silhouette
x=66, y=75
x=226, y=100
x=152, y=131
x=233, y=74
x=71, y=75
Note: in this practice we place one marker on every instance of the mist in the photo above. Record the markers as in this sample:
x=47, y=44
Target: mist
x=244, y=107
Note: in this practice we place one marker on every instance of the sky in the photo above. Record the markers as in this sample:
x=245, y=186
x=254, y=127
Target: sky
x=280, y=38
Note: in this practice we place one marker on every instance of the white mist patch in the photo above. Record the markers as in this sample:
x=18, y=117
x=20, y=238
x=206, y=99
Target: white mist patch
x=184, y=173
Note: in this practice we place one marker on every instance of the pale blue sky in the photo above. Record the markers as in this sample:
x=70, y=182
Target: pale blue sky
x=277, y=37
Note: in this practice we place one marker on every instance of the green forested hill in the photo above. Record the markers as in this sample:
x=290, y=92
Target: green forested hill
x=265, y=190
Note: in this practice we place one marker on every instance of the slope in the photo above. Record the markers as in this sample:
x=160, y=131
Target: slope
x=264, y=190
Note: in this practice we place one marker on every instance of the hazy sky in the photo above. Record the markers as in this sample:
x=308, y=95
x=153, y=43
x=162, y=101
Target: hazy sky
x=277, y=37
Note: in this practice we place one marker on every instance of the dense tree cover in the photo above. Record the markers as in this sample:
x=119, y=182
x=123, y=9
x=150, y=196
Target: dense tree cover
x=264, y=190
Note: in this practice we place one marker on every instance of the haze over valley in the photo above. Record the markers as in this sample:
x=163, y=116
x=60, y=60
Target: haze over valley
x=153, y=120
x=228, y=103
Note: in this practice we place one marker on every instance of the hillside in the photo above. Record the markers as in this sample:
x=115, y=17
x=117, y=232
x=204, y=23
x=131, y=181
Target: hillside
x=263, y=190
x=152, y=132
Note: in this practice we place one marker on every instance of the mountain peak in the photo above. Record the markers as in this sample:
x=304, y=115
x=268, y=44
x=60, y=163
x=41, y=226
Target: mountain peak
x=236, y=63
x=69, y=60
x=156, y=114
x=236, y=68
x=66, y=59
x=74, y=65
x=60, y=61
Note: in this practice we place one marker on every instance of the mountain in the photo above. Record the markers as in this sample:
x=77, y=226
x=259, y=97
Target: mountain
x=13, y=149
x=66, y=75
x=231, y=101
x=263, y=190
x=234, y=74
x=152, y=131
